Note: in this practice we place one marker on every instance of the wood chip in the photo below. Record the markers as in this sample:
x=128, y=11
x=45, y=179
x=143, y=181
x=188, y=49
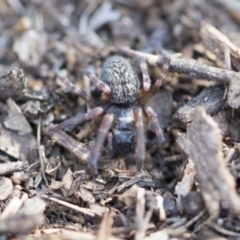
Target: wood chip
x=6, y=188
x=16, y=145
x=14, y=79
x=67, y=182
x=210, y=98
x=184, y=186
x=80, y=150
x=86, y=195
x=11, y=167
x=16, y=120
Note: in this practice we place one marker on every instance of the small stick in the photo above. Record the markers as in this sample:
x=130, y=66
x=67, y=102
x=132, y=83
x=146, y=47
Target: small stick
x=11, y=167
x=40, y=152
x=80, y=150
x=82, y=210
x=184, y=66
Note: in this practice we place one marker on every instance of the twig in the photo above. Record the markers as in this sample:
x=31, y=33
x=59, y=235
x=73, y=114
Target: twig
x=221, y=230
x=11, y=167
x=196, y=218
x=13, y=206
x=86, y=211
x=80, y=150
x=184, y=66
x=39, y=150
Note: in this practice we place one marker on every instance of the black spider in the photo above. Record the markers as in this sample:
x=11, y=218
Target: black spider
x=123, y=111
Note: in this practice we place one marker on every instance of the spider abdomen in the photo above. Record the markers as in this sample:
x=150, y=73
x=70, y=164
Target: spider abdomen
x=118, y=74
x=123, y=131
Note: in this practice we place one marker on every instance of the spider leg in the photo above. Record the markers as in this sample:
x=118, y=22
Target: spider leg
x=140, y=145
x=101, y=85
x=145, y=74
x=93, y=113
x=76, y=90
x=163, y=75
x=146, y=95
x=153, y=119
x=109, y=142
x=102, y=132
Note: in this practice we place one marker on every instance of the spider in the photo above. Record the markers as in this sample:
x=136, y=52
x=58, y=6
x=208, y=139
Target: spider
x=123, y=111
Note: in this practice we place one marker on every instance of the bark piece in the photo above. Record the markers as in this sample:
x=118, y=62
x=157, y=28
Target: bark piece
x=15, y=145
x=16, y=120
x=14, y=79
x=87, y=196
x=11, y=167
x=67, y=182
x=220, y=119
x=210, y=98
x=184, y=186
x=6, y=188
x=80, y=150
x=203, y=144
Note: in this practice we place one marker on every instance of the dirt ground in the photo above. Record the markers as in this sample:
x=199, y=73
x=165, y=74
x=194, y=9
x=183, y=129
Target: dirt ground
x=188, y=187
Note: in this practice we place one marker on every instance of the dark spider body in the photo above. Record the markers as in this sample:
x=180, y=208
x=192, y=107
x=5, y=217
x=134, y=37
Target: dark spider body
x=123, y=112
x=118, y=74
x=123, y=130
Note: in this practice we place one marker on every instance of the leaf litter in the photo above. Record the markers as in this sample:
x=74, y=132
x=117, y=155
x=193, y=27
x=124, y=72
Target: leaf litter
x=189, y=188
